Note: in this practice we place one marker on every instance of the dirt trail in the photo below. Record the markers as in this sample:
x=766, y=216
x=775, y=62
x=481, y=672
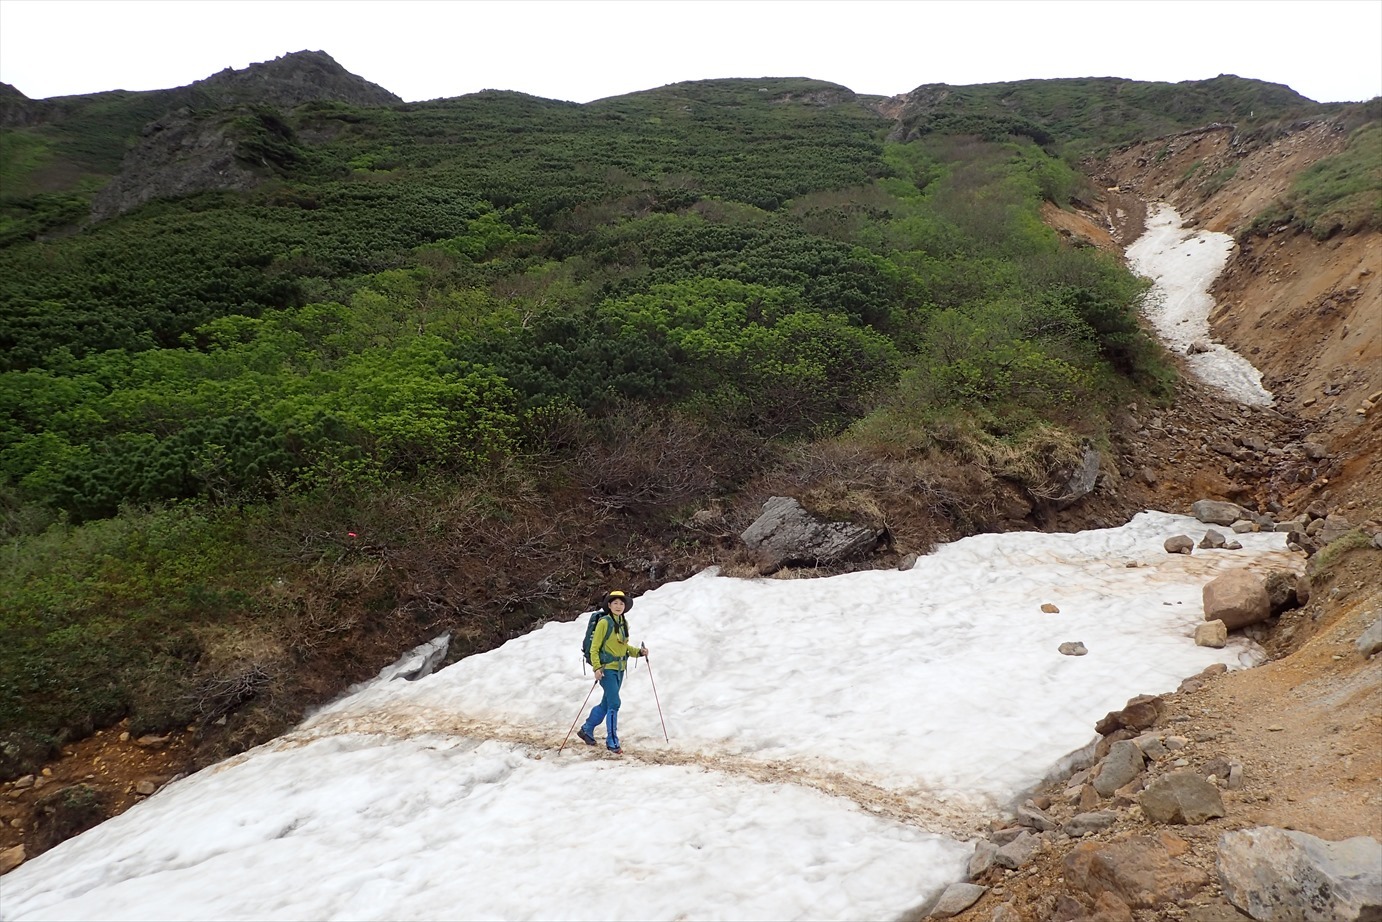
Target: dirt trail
x=914, y=806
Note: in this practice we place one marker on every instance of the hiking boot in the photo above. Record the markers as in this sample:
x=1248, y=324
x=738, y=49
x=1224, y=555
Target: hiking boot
x=585, y=736
x=614, y=749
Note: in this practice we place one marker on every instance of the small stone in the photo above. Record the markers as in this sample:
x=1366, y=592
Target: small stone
x=1084, y=823
x=1179, y=544
x=1073, y=648
x=1049, y=608
x=145, y=788
x=1212, y=540
x=1152, y=746
x=1029, y=815
x=1212, y=634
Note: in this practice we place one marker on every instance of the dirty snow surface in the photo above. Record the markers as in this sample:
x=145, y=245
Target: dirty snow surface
x=1182, y=265
x=833, y=744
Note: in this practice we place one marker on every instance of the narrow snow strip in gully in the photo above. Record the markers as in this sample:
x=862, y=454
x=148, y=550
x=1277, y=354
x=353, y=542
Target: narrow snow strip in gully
x=1182, y=264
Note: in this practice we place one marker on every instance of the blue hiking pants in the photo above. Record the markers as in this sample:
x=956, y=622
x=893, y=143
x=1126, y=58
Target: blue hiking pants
x=608, y=709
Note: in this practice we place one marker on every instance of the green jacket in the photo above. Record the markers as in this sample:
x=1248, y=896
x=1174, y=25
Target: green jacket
x=609, y=645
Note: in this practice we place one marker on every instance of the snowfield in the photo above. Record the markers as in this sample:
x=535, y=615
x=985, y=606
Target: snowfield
x=833, y=743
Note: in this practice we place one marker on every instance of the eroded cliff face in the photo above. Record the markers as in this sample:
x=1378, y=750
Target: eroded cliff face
x=1307, y=312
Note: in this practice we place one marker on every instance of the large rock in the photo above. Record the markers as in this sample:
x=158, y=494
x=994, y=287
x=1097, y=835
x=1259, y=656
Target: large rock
x=1280, y=875
x=1281, y=590
x=1214, y=512
x=1139, y=713
x=11, y=858
x=1237, y=598
x=1370, y=641
x=982, y=859
x=1335, y=527
x=1017, y=852
x=1123, y=763
x=787, y=534
x=1179, y=544
x=1142, y=871
x=1082, y=824
x=1181, y=797
x=956, y=899
x=1082, y=480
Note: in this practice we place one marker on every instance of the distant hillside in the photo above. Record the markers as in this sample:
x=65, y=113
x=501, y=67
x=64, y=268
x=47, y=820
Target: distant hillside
x=1095, y=111
x=68, y=142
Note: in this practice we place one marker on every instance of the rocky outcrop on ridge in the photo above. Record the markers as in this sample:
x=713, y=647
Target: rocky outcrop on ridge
x=291, y=80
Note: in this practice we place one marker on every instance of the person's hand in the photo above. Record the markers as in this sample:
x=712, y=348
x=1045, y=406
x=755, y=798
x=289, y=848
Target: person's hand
x=599, y=674
x=643, y=651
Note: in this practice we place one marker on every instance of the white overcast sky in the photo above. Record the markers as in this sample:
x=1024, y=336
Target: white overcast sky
x=1327, y=50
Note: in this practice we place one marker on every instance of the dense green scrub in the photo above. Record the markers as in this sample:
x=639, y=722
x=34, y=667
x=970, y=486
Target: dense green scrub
x=429, y=293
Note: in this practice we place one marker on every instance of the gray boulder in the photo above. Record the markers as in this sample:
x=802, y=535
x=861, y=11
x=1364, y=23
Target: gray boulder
x=1029, y=814
x=982, y=859
x=1281, y=590
x=1082, y=824
x=1370, y=641
x=1215, y=512
x=1123, y=763
x=1179, y=544
x=1280, y=875
x=1017, y=852
x=1082, y=480
x=1335, y=527
x=787, y=534
x=1181, y=797
x=1212, y=540
x=956, y=899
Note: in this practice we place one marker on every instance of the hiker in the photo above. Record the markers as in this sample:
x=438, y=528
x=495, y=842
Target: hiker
x=609, y=652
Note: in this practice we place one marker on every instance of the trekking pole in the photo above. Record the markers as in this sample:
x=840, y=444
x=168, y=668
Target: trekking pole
x=665, y=737
x=578, y=717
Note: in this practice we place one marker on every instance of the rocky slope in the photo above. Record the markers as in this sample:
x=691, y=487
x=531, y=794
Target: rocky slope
x=1295, y=744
